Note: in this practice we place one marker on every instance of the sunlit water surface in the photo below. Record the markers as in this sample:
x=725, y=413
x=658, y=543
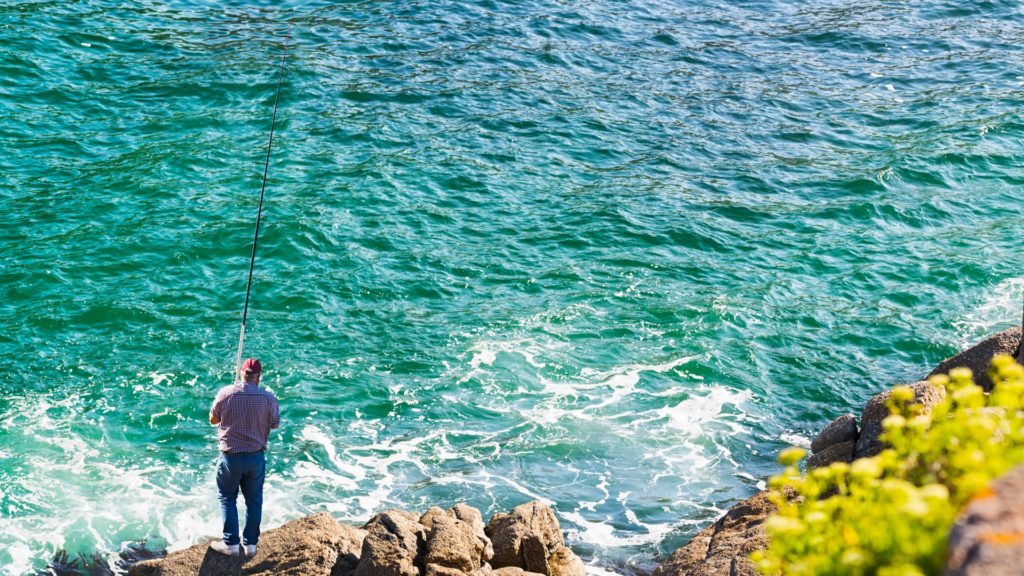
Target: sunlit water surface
x=607, y=255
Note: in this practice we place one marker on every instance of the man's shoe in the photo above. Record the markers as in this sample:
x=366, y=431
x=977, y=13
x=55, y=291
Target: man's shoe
x=250, y=549
x=221, y=547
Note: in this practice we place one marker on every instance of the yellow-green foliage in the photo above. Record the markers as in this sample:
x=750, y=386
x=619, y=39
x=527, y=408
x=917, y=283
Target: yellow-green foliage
x=891, y=514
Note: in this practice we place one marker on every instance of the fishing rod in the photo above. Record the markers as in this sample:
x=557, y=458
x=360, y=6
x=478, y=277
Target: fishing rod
x=259, y=211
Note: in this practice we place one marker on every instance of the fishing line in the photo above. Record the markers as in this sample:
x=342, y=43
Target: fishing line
x=259, y=212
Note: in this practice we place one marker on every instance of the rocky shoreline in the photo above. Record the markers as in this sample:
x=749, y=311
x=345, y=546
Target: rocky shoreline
x=722, y=549
x=524, y=542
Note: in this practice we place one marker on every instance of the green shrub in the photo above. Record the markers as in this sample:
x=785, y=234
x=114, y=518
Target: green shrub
x=891, y=514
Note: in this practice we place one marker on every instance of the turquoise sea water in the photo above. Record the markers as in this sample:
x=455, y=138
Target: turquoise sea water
x=612, y=255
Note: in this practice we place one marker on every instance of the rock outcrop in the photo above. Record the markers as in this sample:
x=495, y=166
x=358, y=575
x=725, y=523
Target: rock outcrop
x=842, y=452
x=393, y=546
x=313, y=545
x=842, y=429
x=869, y=442
x=529, y=538
x=723, y=548
x=452, y=547
x=979, y=356
x=836, y=443
x=984, y=535
x=439, y=542
x=988, y=537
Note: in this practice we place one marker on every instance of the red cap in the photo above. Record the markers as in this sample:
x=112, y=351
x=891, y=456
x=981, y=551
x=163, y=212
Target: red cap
x=252, y=365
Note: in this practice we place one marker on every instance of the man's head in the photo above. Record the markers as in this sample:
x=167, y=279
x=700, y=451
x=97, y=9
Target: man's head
x=250, y=371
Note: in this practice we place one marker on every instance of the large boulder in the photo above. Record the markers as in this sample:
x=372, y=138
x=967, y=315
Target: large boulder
x=869, y=441
x=842, y=452
x=393, y=545
x=312, y=546
x=988, y=537
x=530, y=538
x=723, y=548
x=563, y=562
x=690, y=557
x=979, y=357
x=427, y=519
x=472, y=516
x=453, y=544
x=838, y=431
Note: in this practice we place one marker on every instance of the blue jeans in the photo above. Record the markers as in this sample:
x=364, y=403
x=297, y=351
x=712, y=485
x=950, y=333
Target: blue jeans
x=245, y=471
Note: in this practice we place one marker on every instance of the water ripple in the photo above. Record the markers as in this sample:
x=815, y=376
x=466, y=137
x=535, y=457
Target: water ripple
x=603, y=254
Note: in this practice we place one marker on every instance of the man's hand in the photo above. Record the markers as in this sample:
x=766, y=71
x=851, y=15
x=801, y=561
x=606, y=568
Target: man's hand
x=213, y=419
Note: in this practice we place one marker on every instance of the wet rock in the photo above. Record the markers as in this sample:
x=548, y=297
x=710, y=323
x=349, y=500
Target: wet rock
x=308, y=546
x=427, y=519
x=63, y=564
x=979, y=356
x=349, y=549
x=472, y=516
x=135, y=552
x=840, y=430
x=452, y=544
x=530, y=538
x=393, y=544
x=469, y=515
x=722, y=548
x=988, y=537
x=876, y=410
x=525, y=537
x=562, y=562
x=689, y=557
x=842, y=452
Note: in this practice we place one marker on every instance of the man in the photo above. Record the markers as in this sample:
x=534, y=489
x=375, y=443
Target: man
x=244, y=414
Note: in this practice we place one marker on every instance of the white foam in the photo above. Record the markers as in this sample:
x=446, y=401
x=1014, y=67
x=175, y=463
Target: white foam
x=19, y=554
x=697, y=426
x=602, y=485
x=82, y=496
x=489, y=480
x=593, y=570
x=592, y=391
x=691, y=416
x=601, y=533
x=483, y=356
x=160, y=378
x=354, y=474
x=999, y=308
x=485, y=352
x=623, y=381
x=795, y=439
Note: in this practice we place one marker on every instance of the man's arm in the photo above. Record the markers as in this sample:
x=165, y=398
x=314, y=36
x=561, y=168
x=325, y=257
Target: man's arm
x=215, y=409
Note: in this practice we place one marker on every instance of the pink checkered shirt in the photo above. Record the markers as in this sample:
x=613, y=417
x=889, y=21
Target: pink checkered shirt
x=247, y=413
